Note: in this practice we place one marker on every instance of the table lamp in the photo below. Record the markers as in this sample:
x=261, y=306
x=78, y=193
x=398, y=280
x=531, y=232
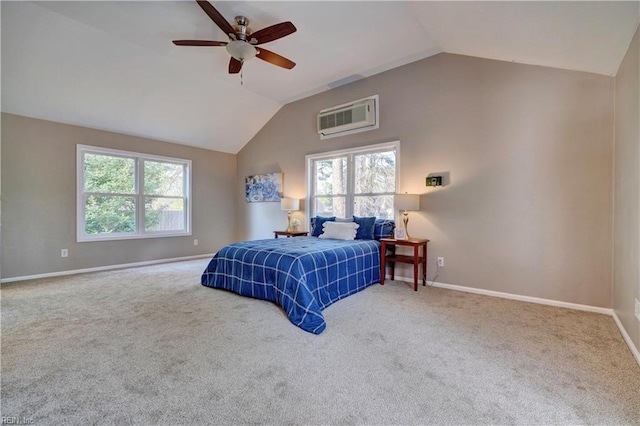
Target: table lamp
x=290, y=205
x=406, y=202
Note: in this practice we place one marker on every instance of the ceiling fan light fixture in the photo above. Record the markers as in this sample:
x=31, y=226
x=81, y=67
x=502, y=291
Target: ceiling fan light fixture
x=241, y=50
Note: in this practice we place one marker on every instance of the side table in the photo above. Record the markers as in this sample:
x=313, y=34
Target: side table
x=416, y=258
x=290, y=233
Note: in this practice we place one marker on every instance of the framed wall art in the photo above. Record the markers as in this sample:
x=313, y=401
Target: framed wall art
x=264, y=187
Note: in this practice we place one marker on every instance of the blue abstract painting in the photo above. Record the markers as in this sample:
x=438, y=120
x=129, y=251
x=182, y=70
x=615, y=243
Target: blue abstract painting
x=266, y=187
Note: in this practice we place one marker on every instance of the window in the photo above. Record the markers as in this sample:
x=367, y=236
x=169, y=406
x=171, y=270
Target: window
x=358, y=181
x=125, y=195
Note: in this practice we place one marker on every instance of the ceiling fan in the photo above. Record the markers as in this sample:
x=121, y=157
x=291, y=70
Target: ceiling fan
x=242, y=41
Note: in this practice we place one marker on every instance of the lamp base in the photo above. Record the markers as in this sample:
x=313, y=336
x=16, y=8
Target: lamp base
x=289, y=228
x=405, y=220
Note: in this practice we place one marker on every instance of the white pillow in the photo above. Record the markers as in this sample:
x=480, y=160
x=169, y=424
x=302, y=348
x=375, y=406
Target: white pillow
x=339, y=230
x=344, y=219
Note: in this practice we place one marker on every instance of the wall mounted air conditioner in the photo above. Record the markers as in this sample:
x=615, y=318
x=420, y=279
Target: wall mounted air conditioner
x=357, y=116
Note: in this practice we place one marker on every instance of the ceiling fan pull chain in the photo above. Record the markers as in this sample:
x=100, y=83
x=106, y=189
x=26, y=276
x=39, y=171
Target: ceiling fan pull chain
x=241, y=74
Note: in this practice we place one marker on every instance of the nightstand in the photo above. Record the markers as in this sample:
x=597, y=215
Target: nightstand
x=290, y=233
x=415, y=259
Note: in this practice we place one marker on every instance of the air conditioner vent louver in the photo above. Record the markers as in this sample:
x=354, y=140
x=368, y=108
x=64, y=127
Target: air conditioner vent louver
x=349, y=118
x=336, y=119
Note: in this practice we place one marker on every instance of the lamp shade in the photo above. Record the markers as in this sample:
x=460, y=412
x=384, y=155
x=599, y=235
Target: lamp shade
x=407, y=201
x=288, y=203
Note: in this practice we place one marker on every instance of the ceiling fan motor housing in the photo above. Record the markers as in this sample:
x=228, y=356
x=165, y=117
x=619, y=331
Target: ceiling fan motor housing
x=242, y=28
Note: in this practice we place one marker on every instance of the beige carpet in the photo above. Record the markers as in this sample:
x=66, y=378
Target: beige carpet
x=151, y=346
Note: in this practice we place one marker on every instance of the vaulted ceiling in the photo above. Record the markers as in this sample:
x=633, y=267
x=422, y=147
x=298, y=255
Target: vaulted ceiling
x=112, y=66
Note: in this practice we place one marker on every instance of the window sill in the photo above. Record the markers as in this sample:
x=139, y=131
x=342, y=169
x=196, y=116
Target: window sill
x=90, y=239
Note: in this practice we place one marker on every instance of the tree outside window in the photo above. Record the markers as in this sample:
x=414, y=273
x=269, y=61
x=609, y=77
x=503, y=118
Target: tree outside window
x=128, y=195
x=357, y=182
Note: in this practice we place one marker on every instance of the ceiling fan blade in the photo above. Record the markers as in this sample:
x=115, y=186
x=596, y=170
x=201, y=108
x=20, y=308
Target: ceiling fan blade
x=234, y=66
x=275, y=59
x=273, y=32
x=216, y=17
x=199, y=43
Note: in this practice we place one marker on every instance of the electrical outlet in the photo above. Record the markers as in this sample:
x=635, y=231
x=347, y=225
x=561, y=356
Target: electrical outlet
x=441, y=262
x=64, y=253
x=195, y=242
x=637, y=309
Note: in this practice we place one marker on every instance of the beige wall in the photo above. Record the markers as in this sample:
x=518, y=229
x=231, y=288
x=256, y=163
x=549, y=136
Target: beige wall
x=529, y=151
x=39, y=199
x=626, y=254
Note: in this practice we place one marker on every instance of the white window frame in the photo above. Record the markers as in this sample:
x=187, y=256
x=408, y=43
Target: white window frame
x=139, y=195
x=350, y=152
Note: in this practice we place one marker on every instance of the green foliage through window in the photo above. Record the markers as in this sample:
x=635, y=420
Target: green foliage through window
x=111, y=197
x=110, y=214
x=109, y=174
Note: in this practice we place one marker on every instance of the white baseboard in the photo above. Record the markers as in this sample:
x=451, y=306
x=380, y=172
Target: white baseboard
x=521, y=298
x=541, y=301
x=529, y=299
x=104, y=268
x=550, y=302
x=627, y=338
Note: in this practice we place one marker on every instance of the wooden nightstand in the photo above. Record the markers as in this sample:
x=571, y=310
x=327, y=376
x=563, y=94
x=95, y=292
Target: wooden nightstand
x=415, y=259
x=290, y=233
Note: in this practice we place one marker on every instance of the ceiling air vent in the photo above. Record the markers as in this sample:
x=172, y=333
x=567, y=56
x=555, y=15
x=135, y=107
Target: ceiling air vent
x=345, y=119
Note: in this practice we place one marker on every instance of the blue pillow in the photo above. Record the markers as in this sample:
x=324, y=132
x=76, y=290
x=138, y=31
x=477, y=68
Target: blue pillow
x=317, y=223
x=384, y=228
x=365, y=231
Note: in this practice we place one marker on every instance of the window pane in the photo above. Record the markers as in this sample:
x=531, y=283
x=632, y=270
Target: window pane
x=164, y=214
x=331, y=176
x=163, y=178
x=330, y=206
x=106, y=173
x=380, y=206
x=110, y=214
x=375, y=172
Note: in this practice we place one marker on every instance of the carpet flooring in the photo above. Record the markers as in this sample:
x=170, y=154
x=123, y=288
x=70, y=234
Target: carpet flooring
x=150, y=345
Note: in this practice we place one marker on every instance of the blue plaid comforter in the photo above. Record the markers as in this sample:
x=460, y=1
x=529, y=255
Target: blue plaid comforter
x=303, y=275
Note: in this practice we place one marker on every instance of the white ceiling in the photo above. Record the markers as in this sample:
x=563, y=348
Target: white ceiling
x=112, y=66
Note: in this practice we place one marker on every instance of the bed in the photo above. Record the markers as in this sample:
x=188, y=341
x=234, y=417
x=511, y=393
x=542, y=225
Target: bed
x=303, y=275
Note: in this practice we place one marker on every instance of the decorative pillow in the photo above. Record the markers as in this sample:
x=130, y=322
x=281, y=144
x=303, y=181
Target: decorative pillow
x=344, y=219
x=317, y=222
x=384, y=228
x=339, y=230
x=365, y=231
